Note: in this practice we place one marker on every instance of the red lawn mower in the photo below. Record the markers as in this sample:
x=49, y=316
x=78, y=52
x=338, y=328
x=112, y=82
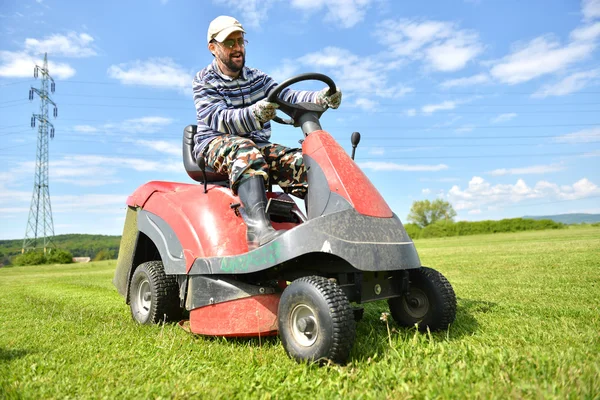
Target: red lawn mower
x=184, y=247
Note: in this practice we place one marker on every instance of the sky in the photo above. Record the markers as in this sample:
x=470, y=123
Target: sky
x=492, y=105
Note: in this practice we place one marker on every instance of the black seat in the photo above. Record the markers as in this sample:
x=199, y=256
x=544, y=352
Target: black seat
x=190, y=164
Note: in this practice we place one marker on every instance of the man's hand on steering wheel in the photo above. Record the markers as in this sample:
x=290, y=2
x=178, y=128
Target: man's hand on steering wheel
x=264, y=110
x=325, y=99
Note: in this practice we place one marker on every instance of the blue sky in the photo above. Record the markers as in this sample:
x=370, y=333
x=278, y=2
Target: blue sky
x=492, y=105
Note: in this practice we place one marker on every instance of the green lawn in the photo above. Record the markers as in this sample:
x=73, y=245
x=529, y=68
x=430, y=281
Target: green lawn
x=528, y=326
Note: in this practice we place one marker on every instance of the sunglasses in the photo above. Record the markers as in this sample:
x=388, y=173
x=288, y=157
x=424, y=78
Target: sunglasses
x=230, y=43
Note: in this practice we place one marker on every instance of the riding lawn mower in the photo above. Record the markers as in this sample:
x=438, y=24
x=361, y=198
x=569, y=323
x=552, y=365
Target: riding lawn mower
x=184, y=250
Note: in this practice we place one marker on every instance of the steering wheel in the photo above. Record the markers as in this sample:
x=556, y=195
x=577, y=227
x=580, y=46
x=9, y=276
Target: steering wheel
x=293, y=109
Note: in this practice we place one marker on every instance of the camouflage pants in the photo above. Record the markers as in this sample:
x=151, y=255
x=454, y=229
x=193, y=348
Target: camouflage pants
x=241, y=158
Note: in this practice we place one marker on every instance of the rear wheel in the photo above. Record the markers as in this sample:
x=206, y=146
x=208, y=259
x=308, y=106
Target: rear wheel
x=316, y=322
x=430, y=302
x=153, y=295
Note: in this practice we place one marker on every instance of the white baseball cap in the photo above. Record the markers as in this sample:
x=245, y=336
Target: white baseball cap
x=223, y=26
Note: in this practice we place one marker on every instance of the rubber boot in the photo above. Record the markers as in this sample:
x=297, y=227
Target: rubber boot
x=254, y=199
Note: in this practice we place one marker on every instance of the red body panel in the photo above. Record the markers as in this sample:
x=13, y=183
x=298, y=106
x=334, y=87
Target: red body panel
x=344, y=176
x=250, y=316
x=192, y=214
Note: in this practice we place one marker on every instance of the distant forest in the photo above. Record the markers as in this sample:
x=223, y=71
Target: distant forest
x=94, y=246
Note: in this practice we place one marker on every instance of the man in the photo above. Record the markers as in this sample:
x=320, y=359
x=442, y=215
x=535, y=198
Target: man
x=234, y=126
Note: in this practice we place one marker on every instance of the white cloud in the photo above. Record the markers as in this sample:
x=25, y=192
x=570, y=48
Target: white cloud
x=344, y=13
x=393, y=91
x=365, y=104
x=252, y=13
x=442, y=46
x=542, y=55
x=590, y=9
x=586, y=33
x=469, y=81
x=162, y=146
x=454, y=53
x=475, y=211
x=111, y=163
x=156, y=72
x=72, y=203
x=426, y=191
x=69, y=45
x=377, y=151
x=583, y=136
x=78, y=173
x=411, y=112
x=534, y=169
x=569, y=84
x=85, y=128
x=353, y=73
x=503, y=118
x=445, y=105
x=21, y=65
x=481, y=193
x=147, y=124
x=389, y=166
x=150, y=124
x=287, y=69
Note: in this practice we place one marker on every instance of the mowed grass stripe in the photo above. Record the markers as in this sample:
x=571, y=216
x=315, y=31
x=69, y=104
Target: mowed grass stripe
x=528, y=324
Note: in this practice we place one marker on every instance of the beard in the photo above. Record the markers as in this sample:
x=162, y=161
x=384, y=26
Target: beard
x=235, y=62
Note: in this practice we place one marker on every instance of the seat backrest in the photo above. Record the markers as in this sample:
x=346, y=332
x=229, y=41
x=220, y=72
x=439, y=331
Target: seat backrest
x=190, y=164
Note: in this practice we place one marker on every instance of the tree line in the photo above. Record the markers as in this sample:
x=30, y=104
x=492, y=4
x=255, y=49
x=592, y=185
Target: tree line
x=428, y=219
x=97, y=247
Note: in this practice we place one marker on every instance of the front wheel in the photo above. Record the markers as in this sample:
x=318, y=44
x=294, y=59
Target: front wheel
x=429, y=303
x=153, y=295
x=316, y=322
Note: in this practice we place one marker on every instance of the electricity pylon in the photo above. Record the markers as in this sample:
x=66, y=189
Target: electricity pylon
x=40, y=223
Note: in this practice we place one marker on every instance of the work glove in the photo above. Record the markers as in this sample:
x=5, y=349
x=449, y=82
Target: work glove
x=264, y=110
x=331, y=101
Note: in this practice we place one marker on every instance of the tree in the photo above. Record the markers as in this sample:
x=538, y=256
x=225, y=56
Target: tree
x=425, y=212
x=30, y=258
x=59, y=256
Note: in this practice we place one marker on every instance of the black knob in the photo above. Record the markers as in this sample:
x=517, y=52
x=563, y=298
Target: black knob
x=355, y=139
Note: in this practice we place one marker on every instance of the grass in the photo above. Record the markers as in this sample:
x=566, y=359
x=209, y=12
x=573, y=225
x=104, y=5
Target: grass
x=528, y=326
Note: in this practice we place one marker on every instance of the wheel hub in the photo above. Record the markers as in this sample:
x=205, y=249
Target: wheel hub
x=144, y=298
x=416, y=303
x=304, y=325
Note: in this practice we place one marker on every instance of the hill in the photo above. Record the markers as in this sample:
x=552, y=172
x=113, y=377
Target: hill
x=79, y=245
x=569, y=218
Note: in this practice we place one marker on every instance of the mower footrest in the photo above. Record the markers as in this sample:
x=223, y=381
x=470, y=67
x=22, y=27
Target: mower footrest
x=280, y=207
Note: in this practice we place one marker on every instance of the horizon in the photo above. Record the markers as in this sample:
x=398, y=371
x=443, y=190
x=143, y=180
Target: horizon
x=502, y=123
x=523, y=217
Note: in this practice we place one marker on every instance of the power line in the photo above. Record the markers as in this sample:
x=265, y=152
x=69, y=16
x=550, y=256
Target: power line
x=445, y=92
x=375, y=127
x=443, y=112
x=478, y=156
x=15, y=82
x=187, y=100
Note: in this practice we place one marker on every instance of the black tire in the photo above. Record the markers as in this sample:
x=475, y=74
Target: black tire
x=316, y=322
x=153, y=295
x=431, y=302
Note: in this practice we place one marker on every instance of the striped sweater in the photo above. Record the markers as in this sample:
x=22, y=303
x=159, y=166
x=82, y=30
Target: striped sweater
x=223, y=104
